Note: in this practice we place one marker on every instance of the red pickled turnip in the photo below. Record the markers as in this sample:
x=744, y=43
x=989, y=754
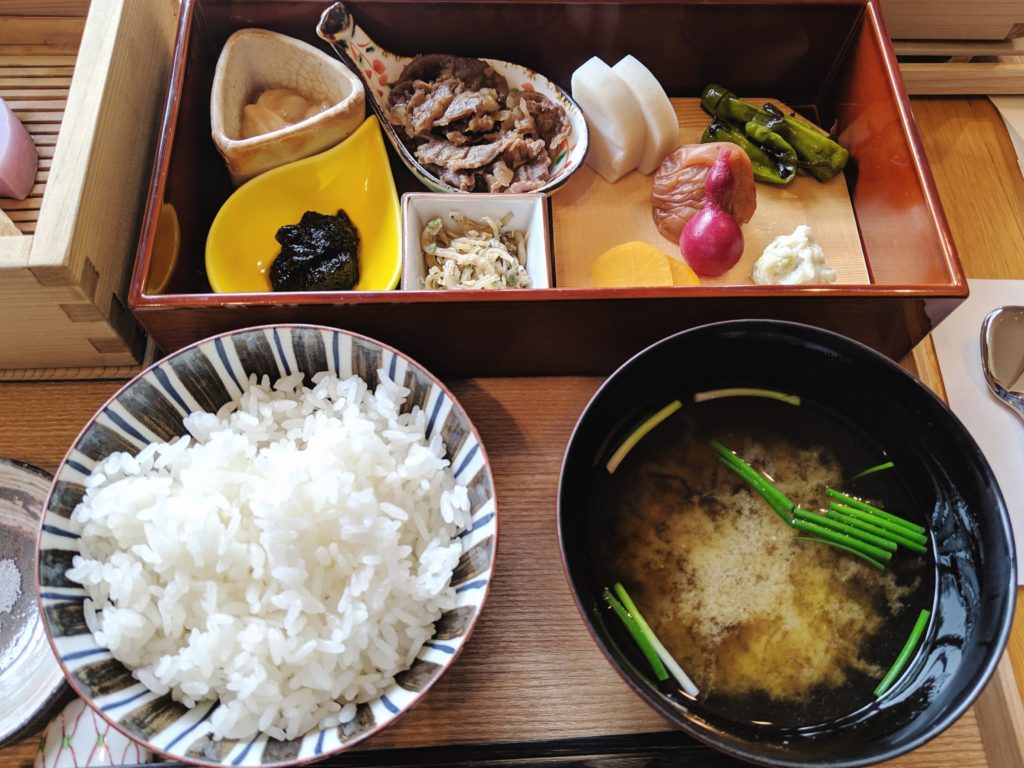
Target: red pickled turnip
x=711, y=242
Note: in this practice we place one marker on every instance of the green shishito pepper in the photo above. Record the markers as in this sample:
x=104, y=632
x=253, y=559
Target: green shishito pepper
x=767, y=166
x=816, y=153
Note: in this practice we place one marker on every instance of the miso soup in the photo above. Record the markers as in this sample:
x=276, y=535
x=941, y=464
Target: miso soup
x=772, y=629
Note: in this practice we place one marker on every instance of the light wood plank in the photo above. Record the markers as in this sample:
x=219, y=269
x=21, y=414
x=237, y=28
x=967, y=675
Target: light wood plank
x=960, y=78
x=32, y=73
x=1000, y=714
x=46, y=7
x=20, y=205
x=25, y=214
x=979, y=182
x=48, y=31
x=952, y=19
x=982, y=190
x=10, y=58
x=1014, y=47
x=48, y=122
x=44, y=104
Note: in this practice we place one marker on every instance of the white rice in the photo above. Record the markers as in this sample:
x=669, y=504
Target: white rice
x=289, y=557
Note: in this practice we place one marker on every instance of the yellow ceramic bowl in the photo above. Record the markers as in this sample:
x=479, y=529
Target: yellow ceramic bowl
x=354, y=176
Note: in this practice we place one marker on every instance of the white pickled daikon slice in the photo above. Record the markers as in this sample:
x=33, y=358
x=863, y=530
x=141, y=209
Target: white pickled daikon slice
x=661, y=122
x=616, y=125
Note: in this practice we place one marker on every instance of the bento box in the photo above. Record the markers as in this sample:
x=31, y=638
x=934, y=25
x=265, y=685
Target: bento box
x=831, y=60
x=88, y=80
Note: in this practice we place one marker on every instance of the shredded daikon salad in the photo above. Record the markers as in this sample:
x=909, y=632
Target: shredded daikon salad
x=470, y=254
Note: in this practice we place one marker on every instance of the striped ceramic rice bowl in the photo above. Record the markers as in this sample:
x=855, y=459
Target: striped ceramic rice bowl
x=332, y=388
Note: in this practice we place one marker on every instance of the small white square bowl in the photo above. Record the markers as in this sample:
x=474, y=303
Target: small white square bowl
x=529, y=214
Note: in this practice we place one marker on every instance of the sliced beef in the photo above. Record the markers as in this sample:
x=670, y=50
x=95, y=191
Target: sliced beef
x=426, y=103
x=550, y=119
x=474, y=74
x=446, y=155
x=461, y=180
x=480, y=124
x=457, y=137
x=499, y=177
x=463, y=124
x=470, y=104
x=520, y=151
x=531, y=176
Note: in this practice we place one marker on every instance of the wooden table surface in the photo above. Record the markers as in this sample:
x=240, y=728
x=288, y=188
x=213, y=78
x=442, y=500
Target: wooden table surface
x=526, y=422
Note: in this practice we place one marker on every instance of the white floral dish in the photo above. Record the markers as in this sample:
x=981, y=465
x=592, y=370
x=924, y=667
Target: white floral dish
x=380, y=69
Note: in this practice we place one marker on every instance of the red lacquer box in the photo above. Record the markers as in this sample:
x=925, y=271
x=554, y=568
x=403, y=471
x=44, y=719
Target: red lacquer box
x=831, y=59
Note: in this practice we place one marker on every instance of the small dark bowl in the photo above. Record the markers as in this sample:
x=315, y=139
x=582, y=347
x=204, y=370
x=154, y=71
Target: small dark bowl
x=943, y=467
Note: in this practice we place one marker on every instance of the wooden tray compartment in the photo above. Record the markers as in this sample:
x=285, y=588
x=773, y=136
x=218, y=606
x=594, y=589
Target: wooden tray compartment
x=87, y=79
x=832, y=56
x=590, y=216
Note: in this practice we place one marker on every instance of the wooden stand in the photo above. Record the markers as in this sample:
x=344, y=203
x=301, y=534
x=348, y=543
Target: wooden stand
x=87, y=80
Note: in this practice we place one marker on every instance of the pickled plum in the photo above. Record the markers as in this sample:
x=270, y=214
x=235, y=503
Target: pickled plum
x=678, y=192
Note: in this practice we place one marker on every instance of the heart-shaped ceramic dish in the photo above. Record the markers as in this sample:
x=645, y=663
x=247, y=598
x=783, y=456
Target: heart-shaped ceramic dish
x=380, y=69
x=354, y=176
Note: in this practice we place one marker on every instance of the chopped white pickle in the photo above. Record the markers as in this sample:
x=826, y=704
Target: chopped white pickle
x=793, y=260
x=474, y=254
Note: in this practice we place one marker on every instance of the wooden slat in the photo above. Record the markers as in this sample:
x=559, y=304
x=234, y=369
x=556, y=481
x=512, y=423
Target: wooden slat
x=958, y=78
x=46, y=7
x=999, y=709
x=976, y=173
x=926, y=366
x=31, y=73
x=979, y=182
x=27, y=51
x=9, y=58
x=12, y=89
x=92, y=373
x=31, y=106
x=35, y=116
x=51, y=32
x=27, y=214
x=37, y=189
x=1014, y=47
x=21, y=205
x=952, y=19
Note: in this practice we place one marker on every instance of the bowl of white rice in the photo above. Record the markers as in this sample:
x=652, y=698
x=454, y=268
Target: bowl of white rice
x=267, y=547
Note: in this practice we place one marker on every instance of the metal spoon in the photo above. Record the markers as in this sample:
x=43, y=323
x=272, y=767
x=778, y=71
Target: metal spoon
x=1002, y=355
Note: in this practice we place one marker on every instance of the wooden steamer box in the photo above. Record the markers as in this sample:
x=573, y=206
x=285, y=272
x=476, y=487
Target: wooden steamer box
x=830, y=59
x=88, y=81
